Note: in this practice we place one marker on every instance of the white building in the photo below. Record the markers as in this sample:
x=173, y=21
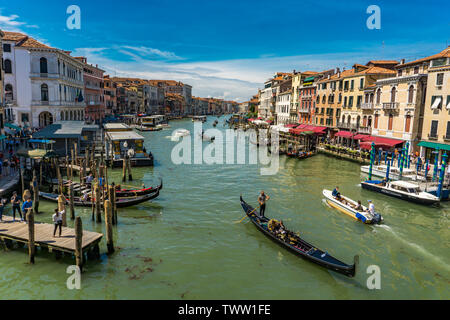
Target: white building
x=282, y=107
x=266, y=100
x=42, y=84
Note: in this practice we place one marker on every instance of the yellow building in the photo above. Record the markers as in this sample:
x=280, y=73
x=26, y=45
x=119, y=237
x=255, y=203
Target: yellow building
x=435, y=131
x=357, y=114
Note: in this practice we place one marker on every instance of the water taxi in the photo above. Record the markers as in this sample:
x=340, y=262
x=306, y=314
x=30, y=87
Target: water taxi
x=199, y=118
x=150, y=123
x=401, y=189
x=394, y=173
x=349, y=207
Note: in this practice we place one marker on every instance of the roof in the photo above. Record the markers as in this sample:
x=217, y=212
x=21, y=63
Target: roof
x=22, y=40
x=404, y=184
x=394, y=62
x=443, y=54
x=124, y=135
x=109, y=126
x=64, y=129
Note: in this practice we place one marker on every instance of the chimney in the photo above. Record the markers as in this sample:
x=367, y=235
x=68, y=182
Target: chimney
x=402, y=61
x=328, y=76
x=293, y=71
x=338, y=70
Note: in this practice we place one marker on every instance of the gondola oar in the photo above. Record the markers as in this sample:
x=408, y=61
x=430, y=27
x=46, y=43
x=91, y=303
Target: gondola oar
x=246, y=215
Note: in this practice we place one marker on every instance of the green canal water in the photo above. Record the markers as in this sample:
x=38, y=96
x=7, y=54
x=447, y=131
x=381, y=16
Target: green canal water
x=186, y=244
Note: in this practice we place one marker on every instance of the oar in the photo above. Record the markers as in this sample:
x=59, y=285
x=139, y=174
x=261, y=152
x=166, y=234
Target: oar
x=246, y=215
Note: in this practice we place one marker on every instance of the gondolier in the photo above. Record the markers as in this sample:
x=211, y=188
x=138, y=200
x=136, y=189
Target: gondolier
x=262, y=201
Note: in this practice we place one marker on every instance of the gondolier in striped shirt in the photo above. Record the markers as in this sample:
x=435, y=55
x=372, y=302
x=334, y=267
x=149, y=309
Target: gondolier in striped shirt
x=262, y=201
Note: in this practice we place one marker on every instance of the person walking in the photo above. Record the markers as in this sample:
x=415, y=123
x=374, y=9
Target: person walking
x=262, y=199
x=57, y=221
x=15, y=202
x=27, y=205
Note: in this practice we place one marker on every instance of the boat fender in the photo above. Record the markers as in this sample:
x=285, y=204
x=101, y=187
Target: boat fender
x=361, y=217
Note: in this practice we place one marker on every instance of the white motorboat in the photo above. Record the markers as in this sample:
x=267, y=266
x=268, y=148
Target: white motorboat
x=394, y=173
x=350, y=208
x=401, y=189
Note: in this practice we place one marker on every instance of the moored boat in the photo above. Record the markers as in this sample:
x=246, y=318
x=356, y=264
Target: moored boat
x=349, y=207
x=401, y=189
x=294, y=243
x=120, y=202
x=394, y=173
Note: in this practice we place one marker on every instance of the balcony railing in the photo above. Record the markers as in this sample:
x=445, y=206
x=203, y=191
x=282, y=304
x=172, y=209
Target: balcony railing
x=391, y=105
x=303, y=110
x=432, y=136
x=367, y=106
x=58, y=103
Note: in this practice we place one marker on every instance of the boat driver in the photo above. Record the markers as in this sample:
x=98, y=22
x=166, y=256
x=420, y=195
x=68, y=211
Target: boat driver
x=262, y=202
x=336, y=193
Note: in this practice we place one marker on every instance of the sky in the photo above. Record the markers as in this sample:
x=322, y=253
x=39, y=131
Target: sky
x=227, y=49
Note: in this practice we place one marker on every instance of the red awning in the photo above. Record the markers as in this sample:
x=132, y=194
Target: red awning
x=384, y=143
x=251, y=119
x=297, y=131
x=360, y=136
x=319, y=129
x=290, y=125
x=269, y=121
x=344, y=134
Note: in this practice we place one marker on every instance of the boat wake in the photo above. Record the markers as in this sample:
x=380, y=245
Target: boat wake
x=416, y=247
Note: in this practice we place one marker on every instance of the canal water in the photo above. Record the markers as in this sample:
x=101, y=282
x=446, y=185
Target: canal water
x=187, y=244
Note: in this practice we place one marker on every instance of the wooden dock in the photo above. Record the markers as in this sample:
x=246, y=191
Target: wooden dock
x=43, y=236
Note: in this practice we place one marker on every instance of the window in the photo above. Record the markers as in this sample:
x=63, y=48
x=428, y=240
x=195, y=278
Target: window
x=324, y=99
x=6, y=47
x=350, y=102
x=361, y=83
x=346, y=85
x=345, y=102
x=447, y=134
x=44, y=92
x=439, y=79
x=340, y=98
x=352, y=84
x=8, y=66
x=407, y=123
x=375, y=124
x=393, y=91
x=378, y=96
x=9, y=95
x=400, y=72
x=24, y=117
x=358, y=101
x=416, y=69
x=434, y=127
x=43, y=65
x=410, y=94
x=436, y=102
x=390, y=122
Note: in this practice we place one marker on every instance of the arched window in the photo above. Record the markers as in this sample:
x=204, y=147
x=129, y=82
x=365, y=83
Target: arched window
x=371, y=98
x=369, y=121
x=407, y=123
x=62, y=115
x=410, y=94
x=318, y=99
x=9, y=94
x=8, y=66
x=44, y=92
x=349, y=119
x=324, y=99
x=364, y=121
x=378, y=96
x=43, y=65
x=393, y=92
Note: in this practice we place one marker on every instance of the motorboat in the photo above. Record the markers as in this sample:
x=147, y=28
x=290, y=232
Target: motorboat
x=394, y=173
x=350, y=208
x=401, y=189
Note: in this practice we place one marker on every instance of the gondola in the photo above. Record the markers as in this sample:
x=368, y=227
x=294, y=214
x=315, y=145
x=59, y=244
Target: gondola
x=137, y=192
x=299, y=246
x=120, y=202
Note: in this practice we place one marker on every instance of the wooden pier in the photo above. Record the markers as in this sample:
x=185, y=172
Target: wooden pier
x=43, y=236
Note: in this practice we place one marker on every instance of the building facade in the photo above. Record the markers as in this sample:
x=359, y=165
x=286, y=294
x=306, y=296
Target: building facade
x=110, y=95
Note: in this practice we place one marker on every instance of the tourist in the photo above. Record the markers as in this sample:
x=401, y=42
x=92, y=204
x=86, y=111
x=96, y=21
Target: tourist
x=15, y=202
x=57, y=220
x=26, y=206
x=89, y=179
x=359, y=206
x=1, y=167
x=336, y=193
x=5, y=167
x=262, y=202
x=371, y=207
x=12, y=166
x=2, y=207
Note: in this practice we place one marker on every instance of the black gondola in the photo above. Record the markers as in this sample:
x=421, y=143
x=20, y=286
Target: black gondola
x=300, y=246
x=138, y=192
x=120, y=202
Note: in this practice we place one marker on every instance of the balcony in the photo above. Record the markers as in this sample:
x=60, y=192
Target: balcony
x=432, y=136
x=57, y=103
x=367, y=106
x=391, y=105
x=303, y=110
x=367, y=130
x=446, y=138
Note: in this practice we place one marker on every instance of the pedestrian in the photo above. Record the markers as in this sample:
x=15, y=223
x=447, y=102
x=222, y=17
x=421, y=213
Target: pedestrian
x=1, y=167
x=262, y=202
x=26, y=206
x=12, y=166
x=57, y=220
x=15, y=202
x=2, y=207
x=6, y=167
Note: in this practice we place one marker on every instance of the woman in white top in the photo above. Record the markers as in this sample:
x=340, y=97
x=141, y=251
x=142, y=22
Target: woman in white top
x=57, y=220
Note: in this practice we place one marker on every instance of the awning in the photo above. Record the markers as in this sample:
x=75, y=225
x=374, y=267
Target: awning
x=319, y=130
x=344, y=134
x=12, y=126
x=297, y=131
x=436, y=103
x=384, y=143
x=360, y=136
x=434, y=145
x=290, y=125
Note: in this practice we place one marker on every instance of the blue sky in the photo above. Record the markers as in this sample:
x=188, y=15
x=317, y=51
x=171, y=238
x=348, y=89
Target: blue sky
x=227, y=49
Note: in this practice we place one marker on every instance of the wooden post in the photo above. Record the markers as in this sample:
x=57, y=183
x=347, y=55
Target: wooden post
x=62, y=208
x=72, y=164
x=31, y=247
x=108, y=222
x=124, y=171
x=79, y=242
x=111, y=193
x=58, y=174
x=114, y=200
x=130, y=176
x=40, y=172
x=21, y=174
x=87, y=157
x=72, y=207
x=35, y=193
x=98, y=203
x=93, y=193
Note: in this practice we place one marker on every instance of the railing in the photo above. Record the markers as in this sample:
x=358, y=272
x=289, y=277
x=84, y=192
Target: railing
x=367, y=106
x=58, y=103
x=303, y=110
x=367, y=130
x=391, y=105
x=446, y=138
